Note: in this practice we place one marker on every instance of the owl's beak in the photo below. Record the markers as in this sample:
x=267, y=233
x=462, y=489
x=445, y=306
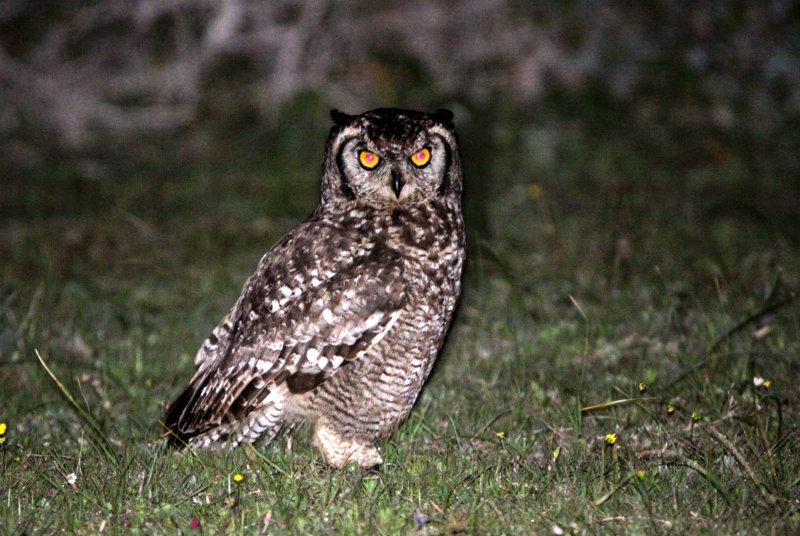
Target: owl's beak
x=397, y=182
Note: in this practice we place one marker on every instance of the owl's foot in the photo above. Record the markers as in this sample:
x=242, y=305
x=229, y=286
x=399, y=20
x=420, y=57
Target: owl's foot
x=340, y=451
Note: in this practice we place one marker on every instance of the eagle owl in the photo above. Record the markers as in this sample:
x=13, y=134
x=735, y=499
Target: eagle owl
x=340, y=324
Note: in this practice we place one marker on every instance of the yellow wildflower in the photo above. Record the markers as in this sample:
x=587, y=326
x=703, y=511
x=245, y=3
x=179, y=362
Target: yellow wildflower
x=556, y=453
x=670, y=409
x=238, y=477
x=500, y=435
x=611, y=438
x=695, y=416
x=642, y=387
x=767, y=384
x=2, y=433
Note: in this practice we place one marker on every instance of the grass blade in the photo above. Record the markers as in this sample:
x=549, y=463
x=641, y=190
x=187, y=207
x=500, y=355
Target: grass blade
x=99, y=438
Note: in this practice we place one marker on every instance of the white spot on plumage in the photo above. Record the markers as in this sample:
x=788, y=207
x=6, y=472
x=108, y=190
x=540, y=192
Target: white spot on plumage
x=312, y=354
x=373, y=320
x=336, y=361
x=349, y=338
x=322, y=362
x=286, y=291
x=274, y=306
x=327, y=316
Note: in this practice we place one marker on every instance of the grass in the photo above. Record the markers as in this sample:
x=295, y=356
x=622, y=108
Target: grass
x=609, y=291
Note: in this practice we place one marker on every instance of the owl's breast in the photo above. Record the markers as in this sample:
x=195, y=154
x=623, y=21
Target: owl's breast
x=430, y=241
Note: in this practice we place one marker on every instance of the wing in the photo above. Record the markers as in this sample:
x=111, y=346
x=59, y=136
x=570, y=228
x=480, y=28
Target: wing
x=302, y=315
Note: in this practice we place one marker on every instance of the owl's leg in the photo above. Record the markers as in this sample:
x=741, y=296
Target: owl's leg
x=339, y=450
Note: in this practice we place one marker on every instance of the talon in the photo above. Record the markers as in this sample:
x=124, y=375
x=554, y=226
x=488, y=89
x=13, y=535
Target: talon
x=340, y=451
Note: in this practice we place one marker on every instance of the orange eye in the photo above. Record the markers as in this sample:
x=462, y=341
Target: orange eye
x=368, y=160
x=421, y=157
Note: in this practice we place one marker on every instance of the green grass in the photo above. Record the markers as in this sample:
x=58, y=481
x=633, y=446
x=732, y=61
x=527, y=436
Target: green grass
x=622, y=266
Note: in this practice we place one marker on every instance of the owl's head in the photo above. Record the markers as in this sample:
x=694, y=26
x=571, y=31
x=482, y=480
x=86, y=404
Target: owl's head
x=388, y=158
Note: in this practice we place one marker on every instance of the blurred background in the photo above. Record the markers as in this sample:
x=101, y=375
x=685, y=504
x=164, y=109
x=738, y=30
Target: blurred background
x=151, y=150
x=575, y=96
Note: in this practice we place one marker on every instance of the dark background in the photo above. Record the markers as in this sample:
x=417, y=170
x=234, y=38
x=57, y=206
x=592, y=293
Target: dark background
x=689, y=107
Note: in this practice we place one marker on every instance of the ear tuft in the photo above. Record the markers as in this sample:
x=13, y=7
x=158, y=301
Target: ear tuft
x=340, y=118
x=444, y=116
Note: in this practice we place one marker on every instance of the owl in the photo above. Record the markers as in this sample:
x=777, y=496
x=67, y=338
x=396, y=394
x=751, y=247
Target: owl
x=340, y=324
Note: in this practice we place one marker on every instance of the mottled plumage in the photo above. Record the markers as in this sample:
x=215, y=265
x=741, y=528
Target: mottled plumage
x=342, y=320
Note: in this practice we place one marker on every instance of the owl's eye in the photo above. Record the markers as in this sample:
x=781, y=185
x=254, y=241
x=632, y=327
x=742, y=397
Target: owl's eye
x=368, y=160
x=421, y=157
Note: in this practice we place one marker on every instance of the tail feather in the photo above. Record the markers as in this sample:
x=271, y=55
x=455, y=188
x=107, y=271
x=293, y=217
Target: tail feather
x=176, y=437
x=191, y=421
